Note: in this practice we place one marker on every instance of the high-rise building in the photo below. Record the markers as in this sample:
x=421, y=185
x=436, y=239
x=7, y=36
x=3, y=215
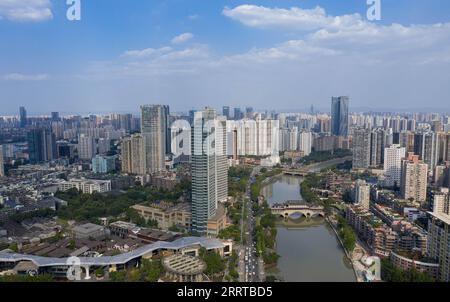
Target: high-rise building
x=361, y=148
x=441, y=202
x=2, y=164
x=209, y=167
x=87, y=148
x=154, y=130
x=166, y=110
x=305, y=140
x=340, y=116
x=377, y=146
x=103, y=164
x=125, y=122
x=362, y=194
x=249, y=112
x=393, y=157
x=406, y=140
x=133, y=155
x=226, y=112
x=58, y=129
x=254, y=137
x=414, y=179
x=181, y=141
x=438, y=243
x=103, y=146
x=238, y=115
x=425, y=145
x=293, y=139
x=443, y=147
x=55, y=117
x=41, y=145
x=23, y=117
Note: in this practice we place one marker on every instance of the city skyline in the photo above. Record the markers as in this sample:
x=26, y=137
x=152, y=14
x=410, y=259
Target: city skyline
x=196, y=55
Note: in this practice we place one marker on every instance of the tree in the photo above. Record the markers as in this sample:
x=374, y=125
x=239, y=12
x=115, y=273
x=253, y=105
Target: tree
x=14, y=247
x=391, y=273
x=99, y=272
x=214, y=263
x=151, y=270
x=133, y=275
x=118, y=276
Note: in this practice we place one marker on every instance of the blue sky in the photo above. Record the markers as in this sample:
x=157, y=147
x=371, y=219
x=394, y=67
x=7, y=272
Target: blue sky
x=283, y=54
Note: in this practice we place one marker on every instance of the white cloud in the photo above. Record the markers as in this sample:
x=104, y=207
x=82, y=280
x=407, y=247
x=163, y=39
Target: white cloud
x=26, y=10
x=146, y=53
x=375, y=64
x=183, y=38
x=294, y=18
x=25, y=77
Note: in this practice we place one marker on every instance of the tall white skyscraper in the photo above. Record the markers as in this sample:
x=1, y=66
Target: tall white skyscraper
x=209, y=167
x=254, y=137
x=305, y=142
x=393, y=157
x=154, y=131
x=293, y=139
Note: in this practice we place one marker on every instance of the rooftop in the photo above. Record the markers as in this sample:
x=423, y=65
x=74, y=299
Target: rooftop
x=184, y=264
x=207, y=243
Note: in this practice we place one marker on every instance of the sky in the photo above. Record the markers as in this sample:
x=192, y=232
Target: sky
x=283, y=55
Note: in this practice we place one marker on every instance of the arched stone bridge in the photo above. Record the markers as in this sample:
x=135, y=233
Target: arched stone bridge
x=290, y=208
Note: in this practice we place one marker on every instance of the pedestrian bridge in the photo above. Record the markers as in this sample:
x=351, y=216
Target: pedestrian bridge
x=290, y=208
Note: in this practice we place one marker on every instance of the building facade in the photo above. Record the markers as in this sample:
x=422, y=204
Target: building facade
x=87, y=186
x=340, y=116
x=133, y=155
x=361, y=148
x=414, y=179
x=209, y=167
x=393, y=157
x=439, y=243
x=154, y=131
x=103, y=164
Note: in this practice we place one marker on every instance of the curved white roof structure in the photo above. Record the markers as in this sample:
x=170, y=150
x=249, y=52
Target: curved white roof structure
x=207, y=243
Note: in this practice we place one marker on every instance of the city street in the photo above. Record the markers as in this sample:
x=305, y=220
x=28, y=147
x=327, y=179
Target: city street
x=252, y=266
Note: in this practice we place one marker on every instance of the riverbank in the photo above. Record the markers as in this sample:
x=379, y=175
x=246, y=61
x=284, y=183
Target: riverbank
x=347, y=253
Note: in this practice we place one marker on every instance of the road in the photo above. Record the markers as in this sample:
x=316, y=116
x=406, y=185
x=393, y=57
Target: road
x=253, y=265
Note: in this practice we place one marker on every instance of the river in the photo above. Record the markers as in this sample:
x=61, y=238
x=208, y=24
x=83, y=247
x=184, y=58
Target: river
x=309, y=250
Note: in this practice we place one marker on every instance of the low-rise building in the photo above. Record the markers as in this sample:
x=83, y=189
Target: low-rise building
x=167, y=214
x=184, y=268
x=89, y=230
x=87, y=186
x=407, y=263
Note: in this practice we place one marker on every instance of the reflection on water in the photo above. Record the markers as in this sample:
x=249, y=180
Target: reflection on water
x=284, y=188
x=308, y=248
